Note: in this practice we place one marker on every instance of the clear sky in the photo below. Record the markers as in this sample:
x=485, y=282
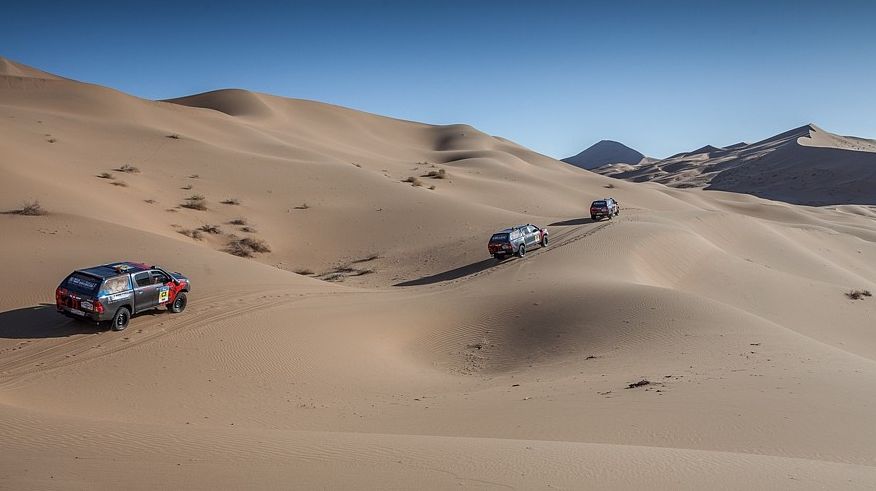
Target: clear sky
x=659, y=76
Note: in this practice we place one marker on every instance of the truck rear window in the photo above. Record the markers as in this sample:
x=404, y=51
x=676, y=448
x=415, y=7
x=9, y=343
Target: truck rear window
x=82, y=283
x=599, y=204
x=499, y=238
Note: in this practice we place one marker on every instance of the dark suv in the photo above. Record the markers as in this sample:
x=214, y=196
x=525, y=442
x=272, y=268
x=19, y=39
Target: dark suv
x=605, y=207
x=517, y=240
x=114, y=292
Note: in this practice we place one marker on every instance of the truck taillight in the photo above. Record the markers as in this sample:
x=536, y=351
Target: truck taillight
x=98, y=307
x=60, y=293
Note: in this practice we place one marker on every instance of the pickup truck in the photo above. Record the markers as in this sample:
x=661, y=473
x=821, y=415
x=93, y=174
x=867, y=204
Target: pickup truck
x=515, y=240
x=114, y=292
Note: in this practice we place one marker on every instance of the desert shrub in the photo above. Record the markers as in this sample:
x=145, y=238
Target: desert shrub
x=230, y=201
x=247, y=246
x=195, y=202
x=257, y=245
x=304, y=271
x=150, y=201
x=129, y=169
x=302, y=206
x=415, y=181
x=121, y=184
x=30, y=209
x=357, y=165
x=437, y=174
x=858, y=294
x=105, y=175
x=194, y=176
x=432, y=187
x=52, y=140
x=173, y=136
x=210, y=229
x=248, y=230
x=609, y=186
x=195, y=234
x=238, y=221
x=187, y=187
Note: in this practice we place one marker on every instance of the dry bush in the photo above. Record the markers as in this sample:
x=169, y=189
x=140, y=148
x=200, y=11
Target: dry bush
x=210, y=229
x=129, y=169
x=247, y=247
x=173, y=136
x=194, y=176
x=29, y=209
x=238, y=221
x=195, y=202
x=304, y=271
x=436, y=174
x=230, y=201
x=858, y=294
x=52, y=140
x=105, y=175
x=121, y=184
x=257, y=245
x=357, y=165
x=187, y=187
x=415, y=181
x=248, y=230
x=609, y=186
x=302, y=206
x=432, y=187
x=150, y=201
x=195, y=234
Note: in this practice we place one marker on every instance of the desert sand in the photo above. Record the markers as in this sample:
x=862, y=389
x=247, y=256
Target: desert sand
x=377, y=345
x=805, y=165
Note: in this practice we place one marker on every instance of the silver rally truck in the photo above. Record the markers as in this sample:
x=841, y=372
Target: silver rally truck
x=517, y=240
x=114, y=292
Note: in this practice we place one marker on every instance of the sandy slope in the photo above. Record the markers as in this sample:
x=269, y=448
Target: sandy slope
x=806, y=165
x=441, y=368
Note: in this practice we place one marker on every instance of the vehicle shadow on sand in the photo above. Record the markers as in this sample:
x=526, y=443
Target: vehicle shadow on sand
x=41, y=321
x=574, y=221
x=452, y=274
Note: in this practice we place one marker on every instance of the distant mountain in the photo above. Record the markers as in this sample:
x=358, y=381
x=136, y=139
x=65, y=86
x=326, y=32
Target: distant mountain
x=805, y=165
x=605, y=152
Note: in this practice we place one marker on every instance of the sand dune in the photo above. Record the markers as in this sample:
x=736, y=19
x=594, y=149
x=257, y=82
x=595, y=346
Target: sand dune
x=806, y=165
x=404, y=356
x=605, y=152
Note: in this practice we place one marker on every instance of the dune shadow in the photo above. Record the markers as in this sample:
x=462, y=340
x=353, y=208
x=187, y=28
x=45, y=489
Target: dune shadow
x=574, y=221
x=41, y=321
x=452, y=274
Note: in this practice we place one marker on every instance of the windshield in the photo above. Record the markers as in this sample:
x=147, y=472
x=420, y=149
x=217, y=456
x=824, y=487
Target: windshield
x=82, y=283
x=598, y=204
x=499, y=238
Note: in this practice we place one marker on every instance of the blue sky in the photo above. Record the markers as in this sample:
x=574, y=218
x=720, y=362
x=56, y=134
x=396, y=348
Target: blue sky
x=661, y=77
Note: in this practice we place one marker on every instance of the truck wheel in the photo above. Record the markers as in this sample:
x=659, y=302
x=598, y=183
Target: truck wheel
x=593, y=217
x=521, y=250
x=121, y=319
x=544, y=241
x=610, y=216
x=179, y=303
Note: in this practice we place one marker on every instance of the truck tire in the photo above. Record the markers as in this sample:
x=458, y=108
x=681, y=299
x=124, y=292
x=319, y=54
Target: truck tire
x=521, y=251
x=121, y=319
x=179, y=303
x=544, y=240
x=593, y=217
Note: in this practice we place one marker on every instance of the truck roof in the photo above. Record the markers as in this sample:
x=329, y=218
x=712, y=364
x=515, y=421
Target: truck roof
x=114, y=269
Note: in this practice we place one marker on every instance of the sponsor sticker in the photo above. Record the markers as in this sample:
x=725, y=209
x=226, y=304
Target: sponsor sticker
x=163, y=294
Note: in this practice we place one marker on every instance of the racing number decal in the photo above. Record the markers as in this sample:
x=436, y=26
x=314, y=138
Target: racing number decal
x=163, y=294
